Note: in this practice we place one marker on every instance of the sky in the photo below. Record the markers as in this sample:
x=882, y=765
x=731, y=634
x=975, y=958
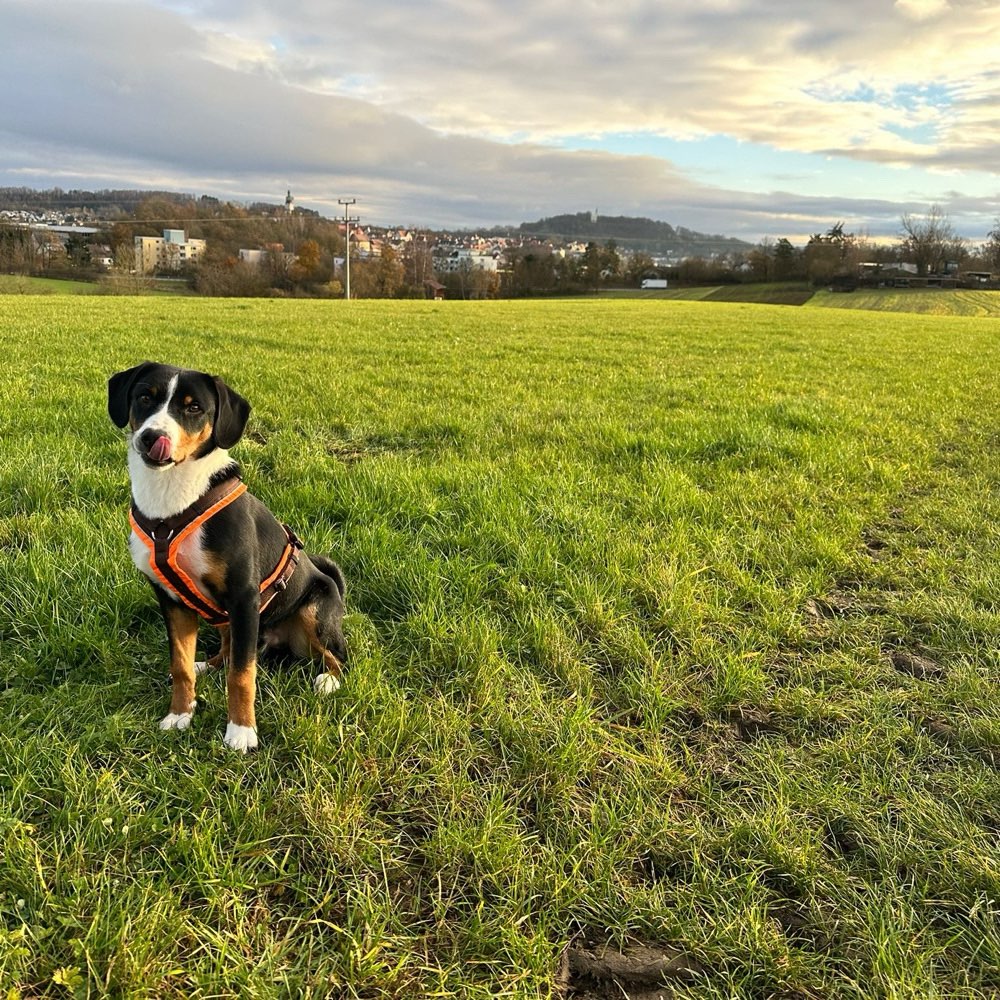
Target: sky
x=748, y=118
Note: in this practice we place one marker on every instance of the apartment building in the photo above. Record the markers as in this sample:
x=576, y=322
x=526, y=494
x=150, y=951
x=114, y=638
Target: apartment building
x=169, y=252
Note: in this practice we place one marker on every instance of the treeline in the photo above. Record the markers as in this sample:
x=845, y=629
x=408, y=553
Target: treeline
x=928, y=243
x=631, y=231
x=105, y=203
x=299, y=253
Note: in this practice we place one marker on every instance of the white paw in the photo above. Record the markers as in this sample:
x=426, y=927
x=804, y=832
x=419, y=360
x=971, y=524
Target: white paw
x=241, y=738
x=201, y=667
x=326, y=684
x=181, y=721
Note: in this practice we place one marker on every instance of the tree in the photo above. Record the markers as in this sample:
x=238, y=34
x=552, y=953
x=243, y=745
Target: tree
x=761, y=260
x=308, y=258
x=991, y=248
x=611, y=261
x=377, y=277
x=590, y=267
x=640, y=265
x=831, y=254
x=389, y=273
x=530, y=270
x=78, y=250
x=930, y=241
x=418, y=262
x=786, y=260
x=17, y=250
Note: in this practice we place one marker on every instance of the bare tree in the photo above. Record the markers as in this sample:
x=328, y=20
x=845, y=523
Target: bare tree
x=991, y=248
x=930, y=240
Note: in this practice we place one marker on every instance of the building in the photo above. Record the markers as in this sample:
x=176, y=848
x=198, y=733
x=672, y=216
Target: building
x=273, y=254
x=451, y=259
x=169, y=252
x=101, y=255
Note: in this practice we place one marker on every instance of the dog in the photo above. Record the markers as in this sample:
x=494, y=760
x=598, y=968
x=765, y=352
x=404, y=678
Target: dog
x=212, y=550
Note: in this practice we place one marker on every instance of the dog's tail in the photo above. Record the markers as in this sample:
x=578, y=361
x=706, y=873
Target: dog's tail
x=329, y=568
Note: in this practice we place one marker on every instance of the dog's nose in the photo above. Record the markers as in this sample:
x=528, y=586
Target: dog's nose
x=149, y=437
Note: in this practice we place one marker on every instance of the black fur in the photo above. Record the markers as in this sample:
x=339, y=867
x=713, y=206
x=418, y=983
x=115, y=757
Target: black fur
x=244, y=538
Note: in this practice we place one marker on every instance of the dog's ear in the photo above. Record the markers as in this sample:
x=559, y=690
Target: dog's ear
x=231, y=414
x=119, y=390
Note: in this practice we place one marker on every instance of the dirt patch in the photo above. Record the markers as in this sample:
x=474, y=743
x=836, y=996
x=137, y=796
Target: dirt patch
x=798, y=925
x=874, y=545
x=947, y=735
x=347, y=452
x=592, y=970
x=841, y=837
x=751, y=724
x=837, y=604
x=915, y=665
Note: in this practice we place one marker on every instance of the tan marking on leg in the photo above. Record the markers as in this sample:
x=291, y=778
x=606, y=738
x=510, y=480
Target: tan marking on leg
x=307, y=643
x=332, y=664
x=183, y=635
x=222, y=656
x=241, y=691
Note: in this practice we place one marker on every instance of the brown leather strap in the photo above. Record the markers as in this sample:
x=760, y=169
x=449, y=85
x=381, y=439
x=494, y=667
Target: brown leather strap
x=167, y=527
x=278, y=580
x=161, y=537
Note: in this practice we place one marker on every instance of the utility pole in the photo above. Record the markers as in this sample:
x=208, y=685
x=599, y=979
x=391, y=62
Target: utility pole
x=348, y=220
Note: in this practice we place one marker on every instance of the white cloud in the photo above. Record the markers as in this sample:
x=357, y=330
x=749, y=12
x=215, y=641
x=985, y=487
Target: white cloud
x=442, y=113
x=747, y=68
x=923, y=9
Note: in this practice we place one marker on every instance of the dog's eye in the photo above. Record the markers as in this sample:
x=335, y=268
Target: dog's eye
x=145, y=399
x=192, y=408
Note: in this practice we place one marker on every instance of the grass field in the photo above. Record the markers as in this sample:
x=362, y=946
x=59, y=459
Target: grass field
x=19, y=284
x=674, y=631
x=936, y=302
x=777, y=293
x=931, y=301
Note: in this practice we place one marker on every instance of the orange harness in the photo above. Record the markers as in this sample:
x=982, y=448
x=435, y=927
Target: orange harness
x=165, y=536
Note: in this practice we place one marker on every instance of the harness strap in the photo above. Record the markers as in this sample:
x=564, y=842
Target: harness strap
x=164, y=537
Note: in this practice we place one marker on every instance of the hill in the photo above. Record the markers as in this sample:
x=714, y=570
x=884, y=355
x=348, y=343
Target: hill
x=120, y=203
x=935, y=302
x=635, y=233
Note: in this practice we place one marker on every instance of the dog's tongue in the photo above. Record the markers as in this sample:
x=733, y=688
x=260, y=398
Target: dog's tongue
x=160, y=450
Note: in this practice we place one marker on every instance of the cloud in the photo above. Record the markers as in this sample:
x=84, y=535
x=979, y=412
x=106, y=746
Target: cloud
x=745, y=69
x=454, y=113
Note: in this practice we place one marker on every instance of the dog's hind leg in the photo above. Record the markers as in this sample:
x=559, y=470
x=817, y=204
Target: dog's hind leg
x=214, y=662
x=304, y=634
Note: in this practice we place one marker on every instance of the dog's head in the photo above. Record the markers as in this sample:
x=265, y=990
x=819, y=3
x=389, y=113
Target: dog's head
x=175, y=414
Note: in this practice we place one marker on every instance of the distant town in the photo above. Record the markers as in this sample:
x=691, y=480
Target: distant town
x=131, y=240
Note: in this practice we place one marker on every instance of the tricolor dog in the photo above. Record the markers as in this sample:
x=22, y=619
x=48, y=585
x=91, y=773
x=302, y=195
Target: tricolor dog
x=212, y=550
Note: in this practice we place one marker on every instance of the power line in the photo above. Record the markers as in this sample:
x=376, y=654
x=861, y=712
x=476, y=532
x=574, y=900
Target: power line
x=348, y=221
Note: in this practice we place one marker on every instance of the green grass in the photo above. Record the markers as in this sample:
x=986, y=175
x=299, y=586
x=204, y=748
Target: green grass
x=933, y=301
x=19, y=284
x=668, y=294
x=778, y=293
x=671, y=622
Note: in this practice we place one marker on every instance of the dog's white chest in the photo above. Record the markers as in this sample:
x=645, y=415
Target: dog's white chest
x=188, y=556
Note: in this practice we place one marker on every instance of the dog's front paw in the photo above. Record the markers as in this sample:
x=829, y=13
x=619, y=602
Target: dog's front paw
x=178, y=721
x=241, y=738
x=326, y=683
